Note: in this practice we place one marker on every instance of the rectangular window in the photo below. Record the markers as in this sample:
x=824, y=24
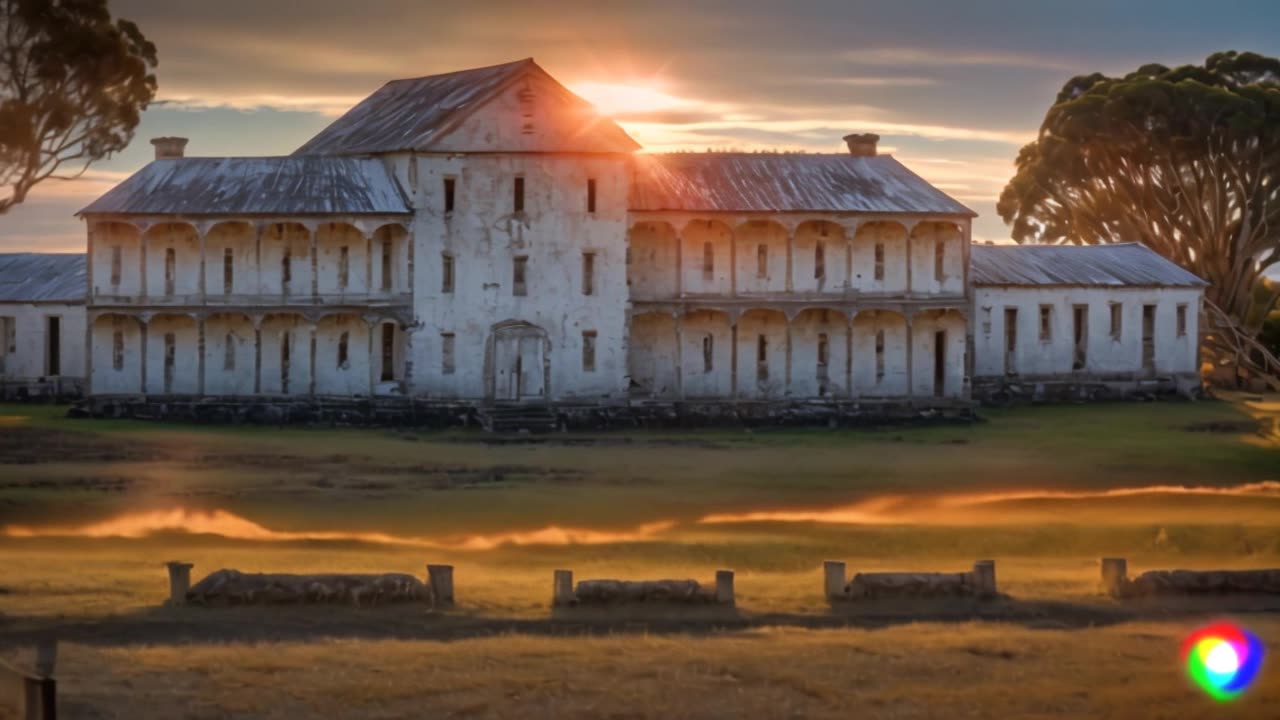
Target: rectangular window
x=591, y=195
x=879, y=262
x=115, y=265
x=518, y=200
x=388, y=352
x=708, y=352
x=286, y=349
x=229, y=352
x=286, y=269
x=986, y=321
x=1117, y=318
x=446, y=273
x=1080, y=336
x=228, y=270
x=708, y=262
x=762, y=358
x=1149, y=337
x=344, y=349
x=170, y=269
x=819, y=261
x=447, y=346
x=589, y=351
x=1011, y=340
x=518, y=269
x=8, y=336
x=344, y=267
x=117, y=350
x=879, y=356
x=386, y=265
x=824, y=351
x=939, y=261
x=449, y=189
x=53, y=354
x=762, y=261
x=588, y=273
x=1182, y=320
x=170, y=360
x=1046, y=323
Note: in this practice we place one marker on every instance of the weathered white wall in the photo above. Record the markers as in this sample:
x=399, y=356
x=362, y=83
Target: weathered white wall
x=894, y=381
x=24, y=340
x=748, y=238
x=331, y=238
x=773, y=326
x=484, y=235
x=273, y=331
x=652, y=355
x=1105, y=354
x=105, y=237
x=651, y=272
x=219, y=378
x=353, y=376
x=241, y=239
x=894, y=238
x=696, y=235
x=185, y=373
x=925, y=238
x=836, y=250
x=924, y=329
x=106, y=379
x=185, y=242
x=696, y=381
x=805, y=332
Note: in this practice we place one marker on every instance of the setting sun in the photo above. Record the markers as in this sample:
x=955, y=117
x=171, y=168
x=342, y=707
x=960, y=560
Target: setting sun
x=621, y=99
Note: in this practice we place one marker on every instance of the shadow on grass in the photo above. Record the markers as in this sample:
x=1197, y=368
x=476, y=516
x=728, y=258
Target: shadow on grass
x=178, y=626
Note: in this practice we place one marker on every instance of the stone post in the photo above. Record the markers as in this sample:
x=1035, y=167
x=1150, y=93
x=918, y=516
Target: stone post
x=179, y=582
x=833, y=573
x=984, y=577
x=562, y=592
x=440, y=577
x=1115, y=574
x=724, y=587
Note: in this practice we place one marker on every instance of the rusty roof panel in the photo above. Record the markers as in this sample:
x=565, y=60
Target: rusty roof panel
x=257, y=186
x=42, y=277
x=1112, y=265
x=784, y=182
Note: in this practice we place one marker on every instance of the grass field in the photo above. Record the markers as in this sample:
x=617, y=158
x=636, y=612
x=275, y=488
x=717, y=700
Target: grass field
x=89, y=510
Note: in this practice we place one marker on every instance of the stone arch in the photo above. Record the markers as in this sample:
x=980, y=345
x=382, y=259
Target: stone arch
x=819, y=353
x=937, y=258
x=236, y=273
x=762, y=354
x=230, y=354
x=285, y=266
x=820, y=257
x=343, y=365
x=880, y=354
x=651, y=355
x=706, y=354
x=117, y=259
x=761, y=249
x=389, y=255
x=116, y=349
x=891, y=237
x=938, y=369
x=342, y=261
x=517, y=362
x=285, y=350
x=651, y=262
x=173, y=343
x=174, y=280
x=707, y=258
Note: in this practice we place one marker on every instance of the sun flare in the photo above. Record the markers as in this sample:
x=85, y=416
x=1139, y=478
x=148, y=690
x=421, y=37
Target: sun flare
x=623, y=99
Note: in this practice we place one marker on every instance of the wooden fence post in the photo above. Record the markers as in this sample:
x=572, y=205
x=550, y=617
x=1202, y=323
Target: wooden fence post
x=724, y=587
x=179, y=582
x=833, y=573
x=440, y=577
x=562, y=591
x=1115, y=575
x=984, y=577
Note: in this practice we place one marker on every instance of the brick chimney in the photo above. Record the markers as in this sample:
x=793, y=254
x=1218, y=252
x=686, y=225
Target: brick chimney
x=862, y=144
x=169, y=147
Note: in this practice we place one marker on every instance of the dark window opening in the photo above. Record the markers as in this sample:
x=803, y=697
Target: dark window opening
x=228, y=270
x=879, y=356
x=939, y=261
x=1046, y=323
x=1117, y=319
x=762, y=261
x=170, y=358
x=518, y=200
x=708, y=353
x=819, y=261
x=449, y=190
x=117, y=350
x=879, y=262
x=53, y=364
x=447, y=345
x=1149, y=337
x=824, y=357
x=388, y=352
x=286, y=269
x=170, y=269
x=708, y=261
x=286, y=350
x=518, y=271
x=1010, y=340
x=588, y=273
x=762, y=358
x=1182, y=320
x=386, y=265
x=344, y=344
x=1080, y=336
x=940, y=363
x=115, y=264
x=446, y=273
x=344, y=267
x=589, y=351
x=591, y=195
x=229, y=352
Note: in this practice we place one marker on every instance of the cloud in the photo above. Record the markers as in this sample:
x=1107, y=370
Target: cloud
x=948, y=57
x=870, y=81
x=329, y=106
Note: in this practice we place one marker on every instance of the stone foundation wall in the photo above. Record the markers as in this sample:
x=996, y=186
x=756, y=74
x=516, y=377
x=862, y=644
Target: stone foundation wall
x=1012, y=390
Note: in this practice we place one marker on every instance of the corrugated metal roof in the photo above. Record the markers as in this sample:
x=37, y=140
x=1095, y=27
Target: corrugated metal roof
x=42, y=277
x=782, y=182
x=1114, y=264
x=289, y=185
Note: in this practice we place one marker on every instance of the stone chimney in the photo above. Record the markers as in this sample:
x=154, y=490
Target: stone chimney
x=171, y=147
x=862, y=144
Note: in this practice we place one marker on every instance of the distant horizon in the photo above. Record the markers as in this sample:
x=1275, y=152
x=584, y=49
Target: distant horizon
x=953, y=92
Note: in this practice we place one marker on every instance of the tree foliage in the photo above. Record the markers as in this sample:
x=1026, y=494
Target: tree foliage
x=1185, y=160
x=73, y=85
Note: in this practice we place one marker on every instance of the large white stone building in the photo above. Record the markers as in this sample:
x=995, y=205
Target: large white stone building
x=484, y=236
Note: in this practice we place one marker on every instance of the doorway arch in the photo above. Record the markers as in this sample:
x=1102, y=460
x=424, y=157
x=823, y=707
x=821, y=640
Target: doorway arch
x=517, y=362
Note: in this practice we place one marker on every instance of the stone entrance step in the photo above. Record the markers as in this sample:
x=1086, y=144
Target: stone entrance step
x=519, y=418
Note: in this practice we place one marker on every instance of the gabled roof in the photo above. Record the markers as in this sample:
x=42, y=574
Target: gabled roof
x=1111, y=265
x=411, y=115
x=257, y=186
x=784, y=182
x=42, y=277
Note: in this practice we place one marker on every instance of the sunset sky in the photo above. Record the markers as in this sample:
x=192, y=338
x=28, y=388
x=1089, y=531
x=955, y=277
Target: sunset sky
x=954, y=88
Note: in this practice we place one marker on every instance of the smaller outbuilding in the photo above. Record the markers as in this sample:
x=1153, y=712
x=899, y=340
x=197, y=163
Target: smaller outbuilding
x=1082, y=321
x=42, y=325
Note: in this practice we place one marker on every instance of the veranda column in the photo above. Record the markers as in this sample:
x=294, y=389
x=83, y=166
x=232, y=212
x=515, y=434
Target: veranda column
x=142, y=264
x=315, y=262
x=733, y=359
x=142, y=324
x=679, y=354
x=787, y=374
x=257, y=354
x=911, y=370
x=910, y=231
x=311, y=387
x=791, y=241
x=733, y=264
x=679, y=266
x=848, y=355
x=202, y=283
x=200, y=355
